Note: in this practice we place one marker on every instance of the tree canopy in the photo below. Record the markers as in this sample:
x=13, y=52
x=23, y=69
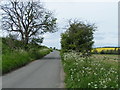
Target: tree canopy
x=28, y=20
x=78, y=37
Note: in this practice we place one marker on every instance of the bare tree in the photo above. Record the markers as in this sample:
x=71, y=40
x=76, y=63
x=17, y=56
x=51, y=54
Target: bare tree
x=29, y=19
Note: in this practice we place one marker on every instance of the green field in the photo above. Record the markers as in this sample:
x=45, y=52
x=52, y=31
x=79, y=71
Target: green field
x=97, y=71
x=106, y=56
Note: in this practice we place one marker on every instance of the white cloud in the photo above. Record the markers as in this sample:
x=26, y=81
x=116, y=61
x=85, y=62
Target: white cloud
x=104, y=15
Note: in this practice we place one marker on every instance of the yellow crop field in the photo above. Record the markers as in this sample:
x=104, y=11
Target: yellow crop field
x=105, y=49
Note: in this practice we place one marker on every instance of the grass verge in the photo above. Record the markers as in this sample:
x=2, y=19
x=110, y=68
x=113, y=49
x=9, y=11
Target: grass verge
x=93, y=72
x=16, y=59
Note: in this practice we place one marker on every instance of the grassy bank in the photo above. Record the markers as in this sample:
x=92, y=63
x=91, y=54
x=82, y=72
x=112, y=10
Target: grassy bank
x=93, y=72
x=16, y=59
x=15, y=54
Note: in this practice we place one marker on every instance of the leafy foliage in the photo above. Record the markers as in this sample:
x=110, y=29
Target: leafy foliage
x=78, y=37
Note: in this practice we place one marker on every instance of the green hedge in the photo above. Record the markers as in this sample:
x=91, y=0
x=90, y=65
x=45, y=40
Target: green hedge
x=16, y=59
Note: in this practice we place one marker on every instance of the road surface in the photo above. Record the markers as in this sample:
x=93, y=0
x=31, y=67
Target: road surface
x=43, y=73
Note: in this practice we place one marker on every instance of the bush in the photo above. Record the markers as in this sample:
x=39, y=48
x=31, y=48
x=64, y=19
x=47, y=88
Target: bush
x=78, y=37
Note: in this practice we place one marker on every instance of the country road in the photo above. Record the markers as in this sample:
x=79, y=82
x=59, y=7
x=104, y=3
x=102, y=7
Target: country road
x=44, y=73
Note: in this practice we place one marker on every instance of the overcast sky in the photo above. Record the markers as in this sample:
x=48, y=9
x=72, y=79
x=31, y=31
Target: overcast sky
x=103, y=14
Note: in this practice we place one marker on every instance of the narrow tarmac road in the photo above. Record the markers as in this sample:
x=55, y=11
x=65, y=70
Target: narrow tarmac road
x=43, y=73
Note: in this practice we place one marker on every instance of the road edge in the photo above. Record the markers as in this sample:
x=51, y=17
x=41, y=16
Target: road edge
x=62, y=77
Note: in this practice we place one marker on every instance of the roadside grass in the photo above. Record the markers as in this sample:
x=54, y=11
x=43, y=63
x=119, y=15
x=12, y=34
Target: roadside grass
x=16, y=59
x=92, y=72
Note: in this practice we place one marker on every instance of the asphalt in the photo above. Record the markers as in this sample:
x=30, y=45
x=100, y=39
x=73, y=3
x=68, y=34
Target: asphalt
x=42, y=73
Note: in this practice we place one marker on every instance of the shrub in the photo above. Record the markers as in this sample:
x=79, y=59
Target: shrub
x=78, y=37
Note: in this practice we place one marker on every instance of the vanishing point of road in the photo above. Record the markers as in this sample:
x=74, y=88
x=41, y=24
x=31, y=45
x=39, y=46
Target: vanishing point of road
x=43, y=73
